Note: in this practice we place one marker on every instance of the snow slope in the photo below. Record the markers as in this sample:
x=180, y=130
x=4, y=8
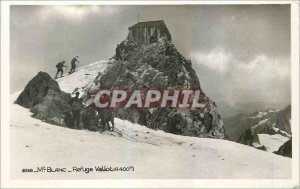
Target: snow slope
x=83, y=77
x=154, y=154
x=272, y=142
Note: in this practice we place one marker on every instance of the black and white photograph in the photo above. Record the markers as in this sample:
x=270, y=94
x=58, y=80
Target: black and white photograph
x=186, y=94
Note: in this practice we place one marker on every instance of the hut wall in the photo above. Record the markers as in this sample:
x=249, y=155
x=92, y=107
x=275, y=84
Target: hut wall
x=142, y=34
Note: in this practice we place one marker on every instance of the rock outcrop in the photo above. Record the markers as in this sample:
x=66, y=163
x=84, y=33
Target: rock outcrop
x=285, y=149
x=283, y=119
x=45, y=100
x=160, y=65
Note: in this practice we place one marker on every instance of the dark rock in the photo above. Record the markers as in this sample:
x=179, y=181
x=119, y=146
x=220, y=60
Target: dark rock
x=45, y=100
x=262, y=148
x=247, y=138
x=285, y=149
x=35, y=91
x=283, y=119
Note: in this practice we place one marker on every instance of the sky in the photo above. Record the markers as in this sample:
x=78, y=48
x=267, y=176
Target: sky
x=241, y=53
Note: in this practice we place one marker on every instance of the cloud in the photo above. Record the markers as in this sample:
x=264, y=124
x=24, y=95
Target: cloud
x=75, y=12
x=222, y=61
x=227, y=77
x=264, y=69
x=217, y=59
x=262, y=77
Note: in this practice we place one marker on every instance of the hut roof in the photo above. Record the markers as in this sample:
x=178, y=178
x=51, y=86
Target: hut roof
x=156, y=23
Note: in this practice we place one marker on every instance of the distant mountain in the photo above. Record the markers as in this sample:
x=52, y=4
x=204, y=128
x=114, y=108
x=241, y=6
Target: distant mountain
x=266, y=130
x=235, y=126
x=229, y=109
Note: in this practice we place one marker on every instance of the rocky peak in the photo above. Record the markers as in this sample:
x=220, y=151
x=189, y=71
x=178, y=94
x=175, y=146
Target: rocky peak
x=156, y=65
x=160, y=65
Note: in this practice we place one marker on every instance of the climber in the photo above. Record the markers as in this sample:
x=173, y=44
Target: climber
x=73, y=64
x=59, y=67
x=68, y=119
x=118, y=53
x=106, y=116
x=88, y=118
x=77, y=106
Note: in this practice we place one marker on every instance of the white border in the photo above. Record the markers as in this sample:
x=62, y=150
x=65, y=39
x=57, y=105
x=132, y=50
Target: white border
x=6, y=182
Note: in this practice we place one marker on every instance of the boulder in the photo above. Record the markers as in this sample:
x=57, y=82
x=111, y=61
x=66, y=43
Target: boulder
x=45, y=100
x=37, y=88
